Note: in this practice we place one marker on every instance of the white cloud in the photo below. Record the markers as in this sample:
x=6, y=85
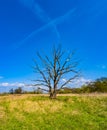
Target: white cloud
x=17, y=84
x=77, y=82
x=6, y=86
x=64, y=80
x=81, y=81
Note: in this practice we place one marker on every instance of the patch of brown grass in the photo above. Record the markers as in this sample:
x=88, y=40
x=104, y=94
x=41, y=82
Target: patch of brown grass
x=2, y=113
x=37, y=106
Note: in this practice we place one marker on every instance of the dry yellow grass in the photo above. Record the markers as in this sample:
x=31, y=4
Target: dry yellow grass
x=2, y=112
x=30, y=106
x=24, y=96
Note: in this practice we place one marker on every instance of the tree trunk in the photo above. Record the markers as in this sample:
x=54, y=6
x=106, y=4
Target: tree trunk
x=53, y=95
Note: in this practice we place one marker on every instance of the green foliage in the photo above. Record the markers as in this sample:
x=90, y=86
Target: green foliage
x=69, y=90
x=100, y=85
x=65, y=90
x=18, y=90
x=38, y=91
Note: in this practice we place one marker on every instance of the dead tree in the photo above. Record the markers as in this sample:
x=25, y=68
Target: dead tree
x=54, y=70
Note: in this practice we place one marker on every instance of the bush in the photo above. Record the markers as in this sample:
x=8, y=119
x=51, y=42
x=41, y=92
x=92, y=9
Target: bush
x=18, y=90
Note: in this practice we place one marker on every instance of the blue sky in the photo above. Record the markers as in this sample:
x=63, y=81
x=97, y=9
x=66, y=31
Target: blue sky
x=27, y=26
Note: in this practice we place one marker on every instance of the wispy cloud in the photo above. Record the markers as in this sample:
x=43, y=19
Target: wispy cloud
x=6, y=86
x=81, y=81
x=17, y=84
x=77, y=82
x=54, y=22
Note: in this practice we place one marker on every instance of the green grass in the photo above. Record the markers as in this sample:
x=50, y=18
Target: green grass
x=29, y=112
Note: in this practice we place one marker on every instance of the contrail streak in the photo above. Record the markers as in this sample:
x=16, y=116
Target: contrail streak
x=40, y=13
x=44, y=17
x=52, y=22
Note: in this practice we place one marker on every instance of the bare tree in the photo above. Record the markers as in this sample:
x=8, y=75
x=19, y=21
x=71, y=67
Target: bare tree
x=54, y=69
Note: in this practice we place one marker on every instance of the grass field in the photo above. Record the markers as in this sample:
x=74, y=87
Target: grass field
x=67, y=112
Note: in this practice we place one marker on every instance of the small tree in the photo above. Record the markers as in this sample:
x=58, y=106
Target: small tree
x=37, y=91
x=18, y=90
x=55, y=70
x=11, y=91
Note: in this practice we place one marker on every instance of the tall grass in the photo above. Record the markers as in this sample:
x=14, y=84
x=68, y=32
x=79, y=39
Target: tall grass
x=31, y=112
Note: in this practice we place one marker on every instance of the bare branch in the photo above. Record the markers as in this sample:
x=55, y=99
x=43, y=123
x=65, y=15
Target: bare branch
x=43, y=89
x=55, y=68
x=41, y=84
x=68, y=81
x=49, y=61
x=38, y=80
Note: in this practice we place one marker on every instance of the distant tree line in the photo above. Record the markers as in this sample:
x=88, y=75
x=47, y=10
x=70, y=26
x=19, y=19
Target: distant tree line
x=19, y=90
x=99, y=85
